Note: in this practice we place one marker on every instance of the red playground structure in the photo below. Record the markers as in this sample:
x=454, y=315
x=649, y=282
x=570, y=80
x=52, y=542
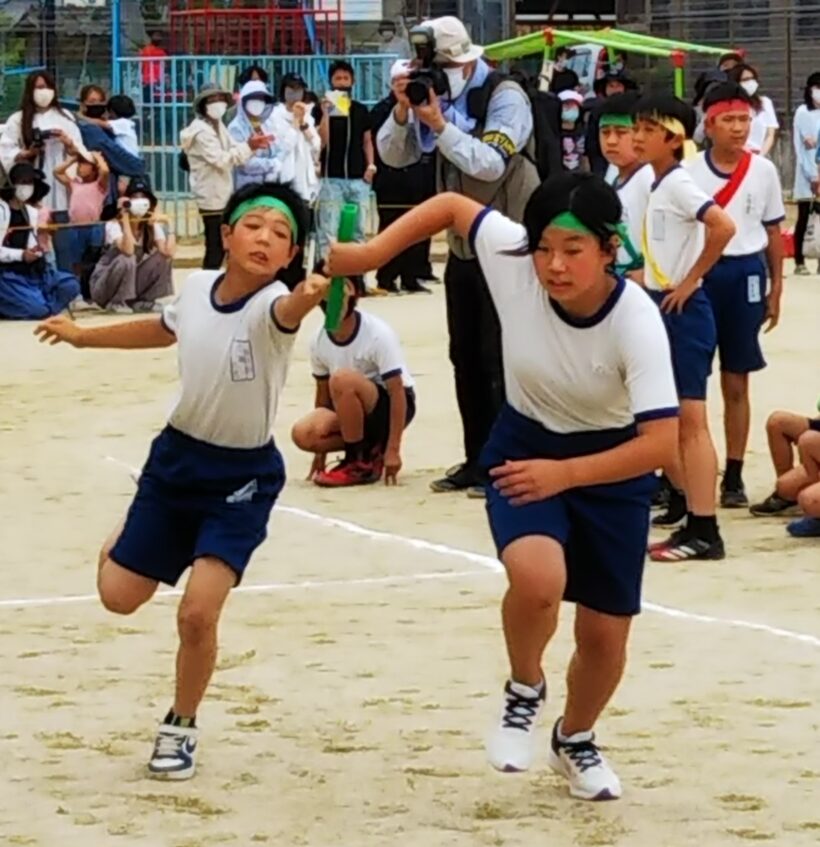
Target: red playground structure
x=256, y=27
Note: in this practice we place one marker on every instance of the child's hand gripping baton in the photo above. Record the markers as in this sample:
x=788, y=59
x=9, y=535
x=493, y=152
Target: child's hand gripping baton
x=347, y=226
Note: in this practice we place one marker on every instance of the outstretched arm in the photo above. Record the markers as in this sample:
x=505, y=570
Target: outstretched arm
x=289, y=309
x=444, y=211
x=132, y=335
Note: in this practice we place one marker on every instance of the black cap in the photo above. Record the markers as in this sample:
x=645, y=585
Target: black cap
x=140, y=185
x=628, y=83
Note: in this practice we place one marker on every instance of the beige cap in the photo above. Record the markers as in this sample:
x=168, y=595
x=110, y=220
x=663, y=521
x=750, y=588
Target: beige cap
x=453, y=44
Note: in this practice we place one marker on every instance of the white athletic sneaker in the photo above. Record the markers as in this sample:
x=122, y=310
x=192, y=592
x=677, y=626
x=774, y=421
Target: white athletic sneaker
x=582, y=763
x=174, y=755
x=511, y=745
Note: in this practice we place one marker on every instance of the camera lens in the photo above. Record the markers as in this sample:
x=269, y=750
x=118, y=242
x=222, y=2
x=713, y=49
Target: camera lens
x=418, y=90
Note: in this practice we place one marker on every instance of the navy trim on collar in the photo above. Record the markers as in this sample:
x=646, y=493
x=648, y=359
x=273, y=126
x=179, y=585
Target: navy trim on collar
x=714, y=168
x=228, y=308
x=619, y=185
x=592, y=320
x=353, y=335
x=663, y=176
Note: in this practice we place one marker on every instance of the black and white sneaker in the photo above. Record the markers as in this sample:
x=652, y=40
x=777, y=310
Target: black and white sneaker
x=174, y=755
x=774, y=504
x=674, y=514
x=511, y=745
x=579, y=760
x=733, y=498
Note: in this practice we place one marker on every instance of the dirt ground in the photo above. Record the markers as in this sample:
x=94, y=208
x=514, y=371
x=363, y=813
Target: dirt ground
x=362, y=662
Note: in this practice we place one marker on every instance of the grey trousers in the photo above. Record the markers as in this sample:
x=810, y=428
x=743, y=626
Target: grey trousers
x=119, y=279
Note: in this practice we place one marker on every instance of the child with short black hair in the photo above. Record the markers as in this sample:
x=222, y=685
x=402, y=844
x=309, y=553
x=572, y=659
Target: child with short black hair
x=214, y=473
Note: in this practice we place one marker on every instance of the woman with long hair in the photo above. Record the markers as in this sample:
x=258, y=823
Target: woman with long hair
x=764, y=119
x=44, y=134
x=135, y=269
x=805, y=137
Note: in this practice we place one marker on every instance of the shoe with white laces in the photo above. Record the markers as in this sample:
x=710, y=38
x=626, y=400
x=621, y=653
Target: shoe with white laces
x=174, y=755
x=511, y=745
x=582, y=763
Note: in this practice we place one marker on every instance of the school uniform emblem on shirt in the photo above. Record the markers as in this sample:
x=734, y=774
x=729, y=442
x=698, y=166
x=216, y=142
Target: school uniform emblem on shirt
x=242, y=367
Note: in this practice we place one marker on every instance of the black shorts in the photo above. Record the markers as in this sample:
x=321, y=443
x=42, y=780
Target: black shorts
x=377, y=423
x=814, y=424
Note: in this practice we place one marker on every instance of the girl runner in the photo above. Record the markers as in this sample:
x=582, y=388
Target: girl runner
x=591, y=411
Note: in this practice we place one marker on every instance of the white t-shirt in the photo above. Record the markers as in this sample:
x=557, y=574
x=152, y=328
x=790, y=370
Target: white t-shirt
x=571, y=375
x=757, y=203
x=674, y=232
x=233, y=363
x=634, y=195
x=373, y=350
x=125, y=134
x=762, y=121
x=113, y=232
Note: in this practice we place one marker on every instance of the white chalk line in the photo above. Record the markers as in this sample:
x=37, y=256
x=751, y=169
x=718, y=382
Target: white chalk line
x=486, y=562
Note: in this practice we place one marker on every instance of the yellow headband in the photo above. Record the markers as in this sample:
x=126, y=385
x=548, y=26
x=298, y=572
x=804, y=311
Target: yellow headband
x=673, y=125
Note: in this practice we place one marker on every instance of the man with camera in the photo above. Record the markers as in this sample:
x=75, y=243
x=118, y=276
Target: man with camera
x=477, y=124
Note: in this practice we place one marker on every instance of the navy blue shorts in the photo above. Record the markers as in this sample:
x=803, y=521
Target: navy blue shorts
x=814, y=424
x=736, y=288
x=602, y=528
x=693, y=339
x=196, y=499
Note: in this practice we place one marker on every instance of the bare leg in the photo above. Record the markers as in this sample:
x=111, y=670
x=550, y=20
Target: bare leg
x=699, y=458
x=783, y=430
x=121, y=591
x=596, y=667
x=537, y=575
x=737, y=413
x=354, y=396
x=197, y=620
x=318, y=432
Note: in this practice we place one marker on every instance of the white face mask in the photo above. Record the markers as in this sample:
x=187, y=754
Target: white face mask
x=815, y=96
x=456, y=81
x=43, y=97
x=255, y=108
x=216, y=111
x=750, y=86
x=140, y=207
x=24, y=192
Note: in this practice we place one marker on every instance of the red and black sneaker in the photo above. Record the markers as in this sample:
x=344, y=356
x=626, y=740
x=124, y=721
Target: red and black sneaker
x=346, y=474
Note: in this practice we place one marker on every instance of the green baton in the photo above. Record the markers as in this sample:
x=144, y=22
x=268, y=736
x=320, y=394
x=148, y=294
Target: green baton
x=347, y=226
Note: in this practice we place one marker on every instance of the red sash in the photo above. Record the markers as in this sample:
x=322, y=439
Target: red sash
x=725, y=195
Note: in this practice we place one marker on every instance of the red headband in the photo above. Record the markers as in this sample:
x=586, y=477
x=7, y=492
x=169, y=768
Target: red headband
x=723, y=106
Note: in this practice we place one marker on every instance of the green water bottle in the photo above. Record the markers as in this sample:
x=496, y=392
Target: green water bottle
x=347, y=227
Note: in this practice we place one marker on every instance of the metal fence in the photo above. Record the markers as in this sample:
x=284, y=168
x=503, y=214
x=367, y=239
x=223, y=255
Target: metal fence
x=165, y=109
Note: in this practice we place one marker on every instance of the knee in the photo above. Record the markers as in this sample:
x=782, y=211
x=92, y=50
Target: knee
x=809, y=500
x=195, y=622
x=343, y=381
x=535, y=584
x=117, y=601
x=304, y=436
x=735, y=388
x=776, y=423
x=809, y=444
x=599, y=640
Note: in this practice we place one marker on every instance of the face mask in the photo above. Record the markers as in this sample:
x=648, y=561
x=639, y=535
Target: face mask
x=95, y=110
x=456, y=81
x=815, y=96
x=216, y=111
x=24, y=192
x=294, y=95
x=43, y=97
x=345, y=89
x=750, y=86
x=570, y=115
x=140, y=207
x=254, y=108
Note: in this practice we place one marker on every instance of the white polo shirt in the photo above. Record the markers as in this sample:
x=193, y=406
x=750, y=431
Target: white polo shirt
x=373, y=350
x=633, y=193
x=674, y=231
x=233, y=362
x=757, y=203
x=572, y=375
x=762, y=122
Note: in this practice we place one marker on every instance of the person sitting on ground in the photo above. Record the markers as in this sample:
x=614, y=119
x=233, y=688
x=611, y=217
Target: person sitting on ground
x=136, y=268
x=86, y=196
x=254, y=119
x=784, y=431
x=364, y=399
x=29, y=288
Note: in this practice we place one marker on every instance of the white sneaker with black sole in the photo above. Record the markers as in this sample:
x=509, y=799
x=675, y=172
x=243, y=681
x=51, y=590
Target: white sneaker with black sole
x=512, y=743
x=174, y=755
x=579, y=760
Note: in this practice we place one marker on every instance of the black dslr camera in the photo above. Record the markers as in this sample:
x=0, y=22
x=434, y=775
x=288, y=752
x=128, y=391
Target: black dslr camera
x=428, y=77
x=40, y=136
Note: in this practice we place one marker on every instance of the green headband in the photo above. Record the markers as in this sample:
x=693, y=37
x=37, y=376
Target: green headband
x=567, y=220
x=266, y=202
x=617, y=120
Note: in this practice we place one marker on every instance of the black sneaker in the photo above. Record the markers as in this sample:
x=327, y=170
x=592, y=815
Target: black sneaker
x=675, y=512
x=414, y=286
x=660, y=499
x=688, y=548
x=733, y=498
x=459, y=478
x=774, y=504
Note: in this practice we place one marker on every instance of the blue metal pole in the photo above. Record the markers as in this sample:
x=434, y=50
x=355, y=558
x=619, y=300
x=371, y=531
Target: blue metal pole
x=116, y=76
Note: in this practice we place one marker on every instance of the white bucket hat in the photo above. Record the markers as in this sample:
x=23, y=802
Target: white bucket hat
x=453, y=44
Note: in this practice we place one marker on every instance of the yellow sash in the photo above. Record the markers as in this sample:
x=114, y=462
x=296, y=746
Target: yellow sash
x=659, y=276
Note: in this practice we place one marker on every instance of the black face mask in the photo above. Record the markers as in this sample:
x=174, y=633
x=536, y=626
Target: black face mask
x=95, y=110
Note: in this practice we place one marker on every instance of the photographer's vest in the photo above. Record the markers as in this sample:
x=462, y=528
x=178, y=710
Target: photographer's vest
x=508, y=194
